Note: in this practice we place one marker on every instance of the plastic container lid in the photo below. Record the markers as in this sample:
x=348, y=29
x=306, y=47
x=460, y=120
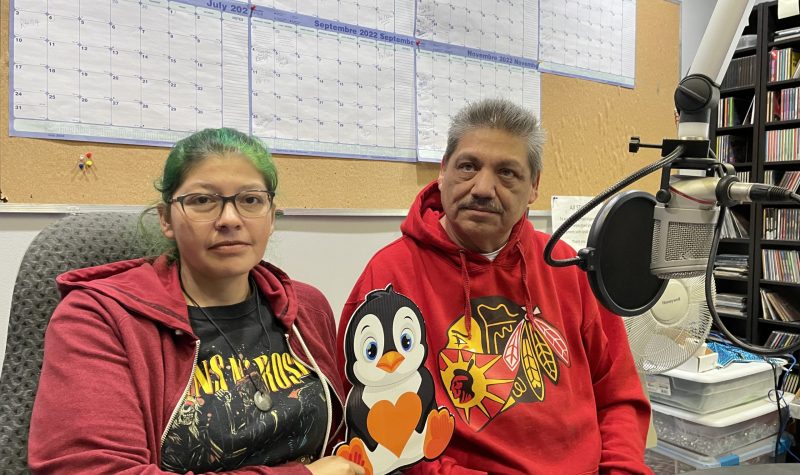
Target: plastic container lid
x=726, y=417
x=794, y=410
x=748, y=452
x=734, y=371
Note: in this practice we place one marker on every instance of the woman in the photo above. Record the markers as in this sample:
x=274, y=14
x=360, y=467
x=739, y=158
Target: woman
x=203, y=359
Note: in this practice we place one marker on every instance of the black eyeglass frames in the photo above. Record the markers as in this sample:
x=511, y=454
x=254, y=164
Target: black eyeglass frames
x=209, y=206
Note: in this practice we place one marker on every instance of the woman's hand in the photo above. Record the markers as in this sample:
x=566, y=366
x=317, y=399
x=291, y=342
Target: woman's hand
x=334, y=465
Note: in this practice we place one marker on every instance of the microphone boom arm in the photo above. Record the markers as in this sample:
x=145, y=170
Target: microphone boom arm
x=698, y=92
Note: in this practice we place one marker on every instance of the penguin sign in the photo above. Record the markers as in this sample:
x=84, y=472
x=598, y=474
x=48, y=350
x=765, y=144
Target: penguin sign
x=392, y=417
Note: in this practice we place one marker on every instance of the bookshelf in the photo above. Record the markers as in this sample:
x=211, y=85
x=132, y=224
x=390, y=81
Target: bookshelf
x=758, y=132
x=736, y=141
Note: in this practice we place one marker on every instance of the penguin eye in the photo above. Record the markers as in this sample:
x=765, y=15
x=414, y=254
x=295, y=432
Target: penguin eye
x=406, y=339
x=371, y=349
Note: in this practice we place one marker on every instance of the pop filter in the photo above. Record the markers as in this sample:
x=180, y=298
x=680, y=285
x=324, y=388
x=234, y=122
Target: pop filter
x=619, y=245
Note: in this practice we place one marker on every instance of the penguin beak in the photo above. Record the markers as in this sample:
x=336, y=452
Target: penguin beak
x=390, y=361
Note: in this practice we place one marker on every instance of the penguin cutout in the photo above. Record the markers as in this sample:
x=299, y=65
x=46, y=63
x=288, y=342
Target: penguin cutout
x=392, y=417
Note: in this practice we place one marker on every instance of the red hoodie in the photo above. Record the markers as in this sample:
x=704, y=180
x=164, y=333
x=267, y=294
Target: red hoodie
x=120, y=354
x=553, y=390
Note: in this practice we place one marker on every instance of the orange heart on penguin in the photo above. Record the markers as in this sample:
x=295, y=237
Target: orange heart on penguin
x=392, y=424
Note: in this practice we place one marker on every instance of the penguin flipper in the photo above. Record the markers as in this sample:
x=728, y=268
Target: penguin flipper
x=356, y=418
x=427, y=398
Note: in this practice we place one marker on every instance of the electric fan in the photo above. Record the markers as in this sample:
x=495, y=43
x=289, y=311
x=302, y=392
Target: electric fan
x=670, y=332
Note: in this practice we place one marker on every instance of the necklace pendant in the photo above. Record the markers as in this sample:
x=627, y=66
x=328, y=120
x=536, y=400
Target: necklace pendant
x=262, y=401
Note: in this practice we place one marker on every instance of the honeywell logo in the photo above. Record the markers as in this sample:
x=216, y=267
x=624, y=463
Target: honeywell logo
x=676, y=299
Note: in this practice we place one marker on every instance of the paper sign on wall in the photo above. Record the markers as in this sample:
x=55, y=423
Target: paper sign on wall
x=562, y=207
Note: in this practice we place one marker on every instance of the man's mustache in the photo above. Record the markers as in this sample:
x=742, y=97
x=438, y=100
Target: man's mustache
x=481, y=205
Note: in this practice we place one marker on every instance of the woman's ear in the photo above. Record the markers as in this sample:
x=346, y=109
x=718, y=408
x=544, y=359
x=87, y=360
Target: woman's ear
x=164, y=221
x=272, y=220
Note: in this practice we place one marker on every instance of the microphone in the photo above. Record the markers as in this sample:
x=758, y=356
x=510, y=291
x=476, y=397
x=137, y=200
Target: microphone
x=683, y=228
x=638, y=242
x=685, y=217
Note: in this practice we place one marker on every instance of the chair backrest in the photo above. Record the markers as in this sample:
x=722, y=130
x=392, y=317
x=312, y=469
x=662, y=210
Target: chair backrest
x=82, y=240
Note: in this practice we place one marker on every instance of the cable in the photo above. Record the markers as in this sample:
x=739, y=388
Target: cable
x=548, y=250
x=789, y=369
x=759, y=350
x=783, y=426
x=780, y=401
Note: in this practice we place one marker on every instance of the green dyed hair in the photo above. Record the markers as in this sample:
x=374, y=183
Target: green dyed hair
x=195, y=148
x=191, y=151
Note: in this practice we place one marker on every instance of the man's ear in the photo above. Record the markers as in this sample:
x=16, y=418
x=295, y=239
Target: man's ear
x=164, y=221
x=534, y=190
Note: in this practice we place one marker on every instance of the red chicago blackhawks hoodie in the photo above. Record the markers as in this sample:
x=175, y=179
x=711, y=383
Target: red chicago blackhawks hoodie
x=538, y=376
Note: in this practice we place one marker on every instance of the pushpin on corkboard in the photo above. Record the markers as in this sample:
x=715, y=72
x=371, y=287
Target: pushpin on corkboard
x=85, y=162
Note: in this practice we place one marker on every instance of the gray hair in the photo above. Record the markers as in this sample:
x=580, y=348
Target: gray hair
x=499, y=114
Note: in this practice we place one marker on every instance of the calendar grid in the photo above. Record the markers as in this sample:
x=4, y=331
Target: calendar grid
x=589, y=38
x=451, y=76
x=356, y=78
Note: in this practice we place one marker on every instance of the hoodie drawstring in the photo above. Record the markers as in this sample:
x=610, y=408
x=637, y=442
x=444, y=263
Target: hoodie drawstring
x=528, y=301
x=465, y=285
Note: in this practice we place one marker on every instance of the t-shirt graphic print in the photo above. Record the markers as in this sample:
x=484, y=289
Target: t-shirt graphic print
x=218, y=426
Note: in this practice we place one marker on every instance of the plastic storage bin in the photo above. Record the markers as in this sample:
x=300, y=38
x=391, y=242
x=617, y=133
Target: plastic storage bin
x=666, y=459
x=718, y=432
x=712, y=390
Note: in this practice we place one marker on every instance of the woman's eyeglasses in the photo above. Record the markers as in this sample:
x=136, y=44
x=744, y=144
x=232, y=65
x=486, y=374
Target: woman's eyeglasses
x=209, y=206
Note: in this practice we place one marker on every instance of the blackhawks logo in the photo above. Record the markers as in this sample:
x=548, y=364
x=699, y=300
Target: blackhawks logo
x=505, y=360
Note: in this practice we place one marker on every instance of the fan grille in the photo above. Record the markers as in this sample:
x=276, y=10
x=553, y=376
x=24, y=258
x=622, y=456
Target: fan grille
x=657, y=347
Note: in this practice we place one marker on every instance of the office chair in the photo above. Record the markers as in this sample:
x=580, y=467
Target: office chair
x=82, y=240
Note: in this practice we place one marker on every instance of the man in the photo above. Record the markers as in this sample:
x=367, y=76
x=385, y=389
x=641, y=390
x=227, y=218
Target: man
x=538, y=377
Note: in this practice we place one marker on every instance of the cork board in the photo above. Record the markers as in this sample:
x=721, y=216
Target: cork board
x=588, y=125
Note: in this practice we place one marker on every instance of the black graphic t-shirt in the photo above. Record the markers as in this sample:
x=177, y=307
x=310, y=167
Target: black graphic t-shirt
x=218, y=427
